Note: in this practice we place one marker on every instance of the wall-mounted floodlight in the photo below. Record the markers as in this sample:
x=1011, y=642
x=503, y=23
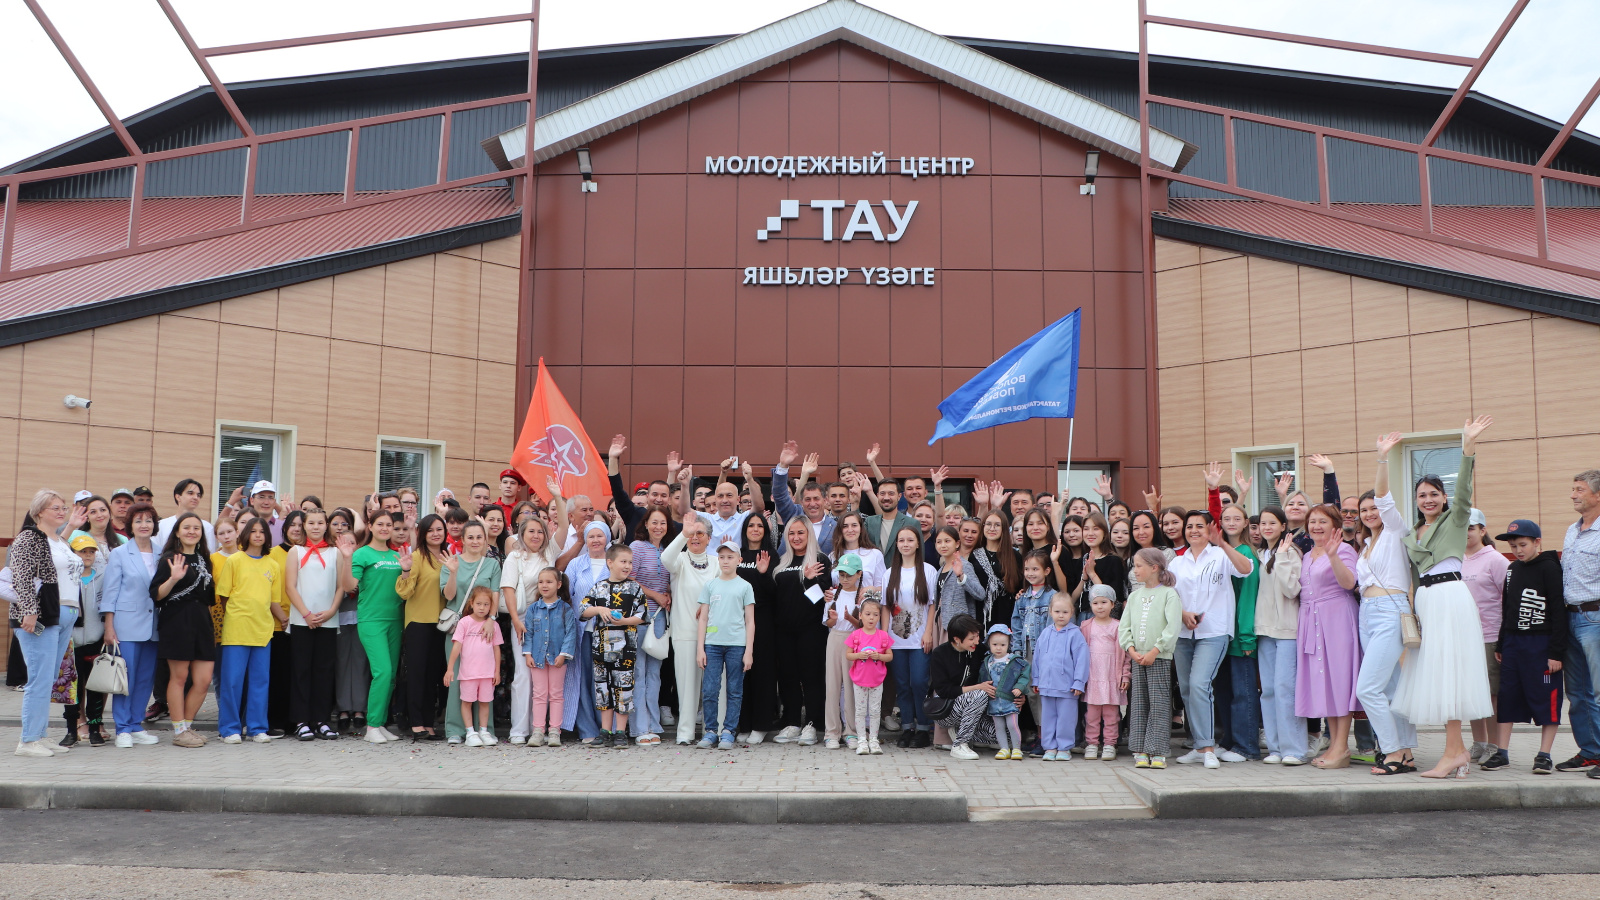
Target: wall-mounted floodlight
x=590, y=186
x=1091, y=168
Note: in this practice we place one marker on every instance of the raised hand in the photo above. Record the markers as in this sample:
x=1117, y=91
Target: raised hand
x=179, y=567
x=1283, y=482
x=1102, y=486
x=747, y=470
x=727, y=464
x=405, y=560
x=938, y=476
x=812, y=570
x=1152, y=499
x=674, y=463
x=1471, y=431
x=980, y=494
x=998, y=494
x=1242, y=481
x=1387, y=442
x=1213, y=474
x=854, y=483
x=789, y=453
x=686, y=475
x=346, y=543
x=453, y=563
x=956, y=568
x=810, y=465
x=553, y=486
x=763, y=561
x=1214, y=534
x=618, y=444
x=872, y=454
x=1322, y=462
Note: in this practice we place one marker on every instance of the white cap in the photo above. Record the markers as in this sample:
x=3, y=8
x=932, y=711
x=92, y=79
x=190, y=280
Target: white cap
x=729, y=544
x=81, y=496
x=262, y=487
x=1476, y=518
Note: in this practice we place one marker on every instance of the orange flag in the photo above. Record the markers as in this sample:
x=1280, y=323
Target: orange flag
x=554, y=445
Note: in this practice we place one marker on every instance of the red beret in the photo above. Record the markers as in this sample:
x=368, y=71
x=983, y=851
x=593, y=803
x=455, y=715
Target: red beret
x=513, y=473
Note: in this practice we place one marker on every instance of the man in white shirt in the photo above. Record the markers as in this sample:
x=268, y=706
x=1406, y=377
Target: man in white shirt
x=811, y=496
x=187, y=495
x=725, y=518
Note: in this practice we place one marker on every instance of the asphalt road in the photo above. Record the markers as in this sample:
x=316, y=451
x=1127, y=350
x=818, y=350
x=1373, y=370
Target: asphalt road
x=1427, y=845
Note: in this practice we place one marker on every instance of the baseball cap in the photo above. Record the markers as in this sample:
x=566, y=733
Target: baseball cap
x=1000, y=629
x=84, y=542
x=81, y=496
x=262, y=487
x=849, y=564
x=121, y=492
x=1521, y=528
x=142, y=490
x=1475, y=517
x=728, y=544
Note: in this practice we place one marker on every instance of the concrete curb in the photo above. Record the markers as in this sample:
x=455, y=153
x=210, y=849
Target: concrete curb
x=761, y=808
x=1389, y=797
x=1057, y=813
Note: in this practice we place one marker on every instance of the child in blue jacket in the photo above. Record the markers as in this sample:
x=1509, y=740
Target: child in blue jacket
x=1009, y=673
x=549, y=642
x=1060, y=674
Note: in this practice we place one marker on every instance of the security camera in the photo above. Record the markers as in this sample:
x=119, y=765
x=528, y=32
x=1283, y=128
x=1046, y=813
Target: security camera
x=75, y=402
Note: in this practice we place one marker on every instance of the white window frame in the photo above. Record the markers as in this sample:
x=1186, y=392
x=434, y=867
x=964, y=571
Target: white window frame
x=1402, y=480
x=434, y=466
x=1064, y=480
x=285, y=437
x=1246, y=457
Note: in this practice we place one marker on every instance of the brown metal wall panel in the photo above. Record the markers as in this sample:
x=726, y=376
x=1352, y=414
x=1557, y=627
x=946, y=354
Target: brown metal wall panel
x=760, y=412
x=1014, y=143
x=1018, y=219
x=864, y=333
x=658, y=317
x=607, y=400
x=863, y=117
x=610, y=222
x=813, y=327
x=863, y=411
x=558, y=215
x=764, y=118
x=708, y=332
x=966, y=236
x=558, y=316
x=812, y=416
x=1068, y=224
x=1119, y=319
x=607, y=316
x=1116, y=218
x=860, y=64
x=814, y=119
x=663, y=207
x=710, y=238
x=664, y=142
x=657, y=427
x=821, y=64
x=760, y=324
x=914, y=394
x=962, y=447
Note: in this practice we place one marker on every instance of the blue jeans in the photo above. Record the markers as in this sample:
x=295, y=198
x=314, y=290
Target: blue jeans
x=1381, y=649
x=910, y=669
x=43, y=654
x=646, y=717
x=722, y=659
x=1583, y=666
x=1197, y=660
x=238, y=665
x=128, y=709
x=1238, y=706
x=1286, y=732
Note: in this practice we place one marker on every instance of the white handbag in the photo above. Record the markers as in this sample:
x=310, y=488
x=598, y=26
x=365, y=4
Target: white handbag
x=110, y=673
x=657, y=647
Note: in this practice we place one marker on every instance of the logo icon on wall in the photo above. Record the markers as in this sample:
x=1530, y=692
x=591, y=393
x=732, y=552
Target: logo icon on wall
x=560, y=450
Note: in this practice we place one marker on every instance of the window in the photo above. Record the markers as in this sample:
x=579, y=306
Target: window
x=1441, y=458
x=1081, y=480
x=1263, y=465
x=248, y=452
x=415, y=464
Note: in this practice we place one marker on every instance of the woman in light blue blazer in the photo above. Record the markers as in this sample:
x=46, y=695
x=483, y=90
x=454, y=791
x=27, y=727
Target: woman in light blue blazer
x=131, y=621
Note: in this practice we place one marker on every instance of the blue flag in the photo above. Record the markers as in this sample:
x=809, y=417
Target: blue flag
x=1038, y=379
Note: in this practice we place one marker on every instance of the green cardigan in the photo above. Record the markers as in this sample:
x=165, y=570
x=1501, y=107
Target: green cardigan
x=1244, y=606
x=1446, y=538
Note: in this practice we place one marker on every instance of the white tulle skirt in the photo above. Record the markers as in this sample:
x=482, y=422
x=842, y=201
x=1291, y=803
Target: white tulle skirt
x=1447, y=679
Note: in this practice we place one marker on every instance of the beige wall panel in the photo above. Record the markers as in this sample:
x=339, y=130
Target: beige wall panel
x=1502, y=375
x=174, y=457
x=1327, y=378
x=1183, y=486
x=402, y=398
x=123, y=384
x=50, y=455
x=503, y=252
x=408, y=303
x=1225, y=309
x=121, y=458
x=10, y=510
x=244, y=375
x=1481, y=313
x=458, y=478
x=1441, y=395
x=307, y=308
x=1383, y=391
x=1274, y=306
x=1564, y=397
x=488, y=471
x=186, y=354
x=1435, y=312
x=52, y=368
x=1560, y=458
x=497, y=314
x=348, y=475
x=449, y=417
x=1379, y=309
x=1276, y=400
x=1347, y=468
x=355, y=375
x=300, y=386
x=471, y=251
x=1175, y=255
x=1325, y=308
x=495, y=412
x=310, y=476
x=11, y=380
x=455, y=305
x=1212, y=254
x=208, y=311
x=1226, y=410
x=358, y=305
x=1178, y=297
x=258, y=310
x=1506, y=482
x=1183, y=414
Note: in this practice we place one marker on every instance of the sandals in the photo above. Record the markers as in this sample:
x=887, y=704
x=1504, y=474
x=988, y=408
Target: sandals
x=1395, y=766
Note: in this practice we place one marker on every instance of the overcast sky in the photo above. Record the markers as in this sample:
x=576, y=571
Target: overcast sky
x=1546, y=65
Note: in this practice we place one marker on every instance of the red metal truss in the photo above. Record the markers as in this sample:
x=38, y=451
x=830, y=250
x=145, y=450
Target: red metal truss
x=139, y=161
x=1424, y=149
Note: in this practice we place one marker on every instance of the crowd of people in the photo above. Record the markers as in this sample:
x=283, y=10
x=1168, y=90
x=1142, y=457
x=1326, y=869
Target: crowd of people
x=714, y=612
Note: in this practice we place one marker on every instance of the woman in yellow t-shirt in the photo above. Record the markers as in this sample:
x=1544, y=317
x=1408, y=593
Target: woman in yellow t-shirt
x=250, y=587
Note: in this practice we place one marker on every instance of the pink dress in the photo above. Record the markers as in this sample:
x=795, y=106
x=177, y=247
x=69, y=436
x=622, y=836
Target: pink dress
x=1108, y=665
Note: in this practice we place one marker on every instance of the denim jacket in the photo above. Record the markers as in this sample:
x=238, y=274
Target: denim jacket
x=1028, y=618
x=551, y=632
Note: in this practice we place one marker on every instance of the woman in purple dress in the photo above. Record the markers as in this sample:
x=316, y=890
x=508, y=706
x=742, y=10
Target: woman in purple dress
x=1328, y=639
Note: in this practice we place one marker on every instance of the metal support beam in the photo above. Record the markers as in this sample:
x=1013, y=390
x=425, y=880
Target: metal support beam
x=205, y=67
x=1423, y=55
x=258, y=46
x=49, y=27
x=527, y=363
x=1473, y=73
x=1560, y=141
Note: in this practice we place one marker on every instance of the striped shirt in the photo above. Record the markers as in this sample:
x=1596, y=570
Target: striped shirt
x=648, y=571
x=1580, y=563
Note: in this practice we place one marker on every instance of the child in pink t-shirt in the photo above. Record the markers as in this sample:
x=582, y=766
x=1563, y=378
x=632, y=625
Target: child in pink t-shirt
x=1109, y=667
x=868, y=649
x=477, y=648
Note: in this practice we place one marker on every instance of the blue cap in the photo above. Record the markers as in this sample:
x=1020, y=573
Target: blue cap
x=1521, y=528
x=1000, y=629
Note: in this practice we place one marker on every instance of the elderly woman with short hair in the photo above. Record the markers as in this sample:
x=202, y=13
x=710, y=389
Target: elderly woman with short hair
x=45, y=575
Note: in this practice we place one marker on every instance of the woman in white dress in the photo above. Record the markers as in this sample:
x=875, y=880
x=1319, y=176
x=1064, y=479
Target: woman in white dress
x=1449, y=683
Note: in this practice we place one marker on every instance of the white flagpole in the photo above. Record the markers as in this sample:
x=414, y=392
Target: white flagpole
x=1070, y=423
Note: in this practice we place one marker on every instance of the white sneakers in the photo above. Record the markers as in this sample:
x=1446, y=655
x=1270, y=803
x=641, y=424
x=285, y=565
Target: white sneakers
x=830, y=744
x=962, y=751
x=388, y=735
x=144, y=737
x=124, y=740
x=518, y=740
x=553, y=738
x=235, y=739
x=850, y=741
x=808, y=736
x=1272, y=759
x=1211, y=762
x=1109, y=751
x=1193, y=756
x=755, y=737
x=863, y=748
x=1230, y=756
x=1092, y=751
x=260, y=737
x=36, y=749
x=1293, y=761
x=473, y=740
x=487, y=736
x=791, y=734
x=876, y=749
x=374, y=736
x=891, y=723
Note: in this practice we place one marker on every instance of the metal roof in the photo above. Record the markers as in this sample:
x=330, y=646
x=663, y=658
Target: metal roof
x=66, y=228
